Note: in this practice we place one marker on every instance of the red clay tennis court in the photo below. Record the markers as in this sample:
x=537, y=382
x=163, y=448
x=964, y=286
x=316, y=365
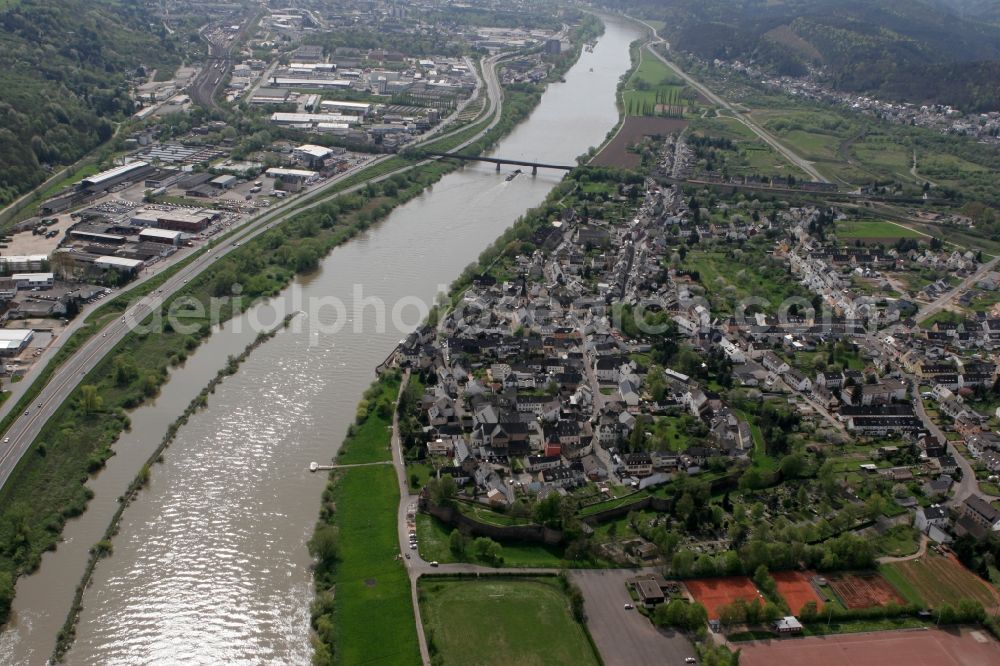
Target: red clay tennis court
x=713, y=593
x=795, y=588
x=919, y=647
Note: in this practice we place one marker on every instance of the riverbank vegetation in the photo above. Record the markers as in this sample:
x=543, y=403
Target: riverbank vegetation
x=363, y=611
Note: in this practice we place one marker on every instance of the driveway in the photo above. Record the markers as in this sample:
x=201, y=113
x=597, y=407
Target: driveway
x=625, y=637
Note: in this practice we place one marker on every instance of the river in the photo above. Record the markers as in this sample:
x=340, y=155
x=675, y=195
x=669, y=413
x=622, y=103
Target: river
x=210, y=564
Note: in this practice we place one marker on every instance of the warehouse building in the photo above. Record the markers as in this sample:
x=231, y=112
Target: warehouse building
x=94, y=236
x=132, y=172
x=120, y=264
x=161, y=236
x=270, y=96
x=353, y=108
x=33, y=280
x=291, y=180
x=13, y=341
x=312, y=156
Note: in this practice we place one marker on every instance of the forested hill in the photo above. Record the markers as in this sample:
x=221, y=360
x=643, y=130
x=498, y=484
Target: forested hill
x=64, y=79
x=915, y=50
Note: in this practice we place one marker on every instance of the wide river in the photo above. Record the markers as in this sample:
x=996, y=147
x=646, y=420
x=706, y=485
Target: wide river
x=210, y=565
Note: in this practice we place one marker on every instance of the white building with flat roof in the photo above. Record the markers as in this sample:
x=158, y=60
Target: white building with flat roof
x=118, y=263
x=33, y=280
x=309, y=119
x=12, y=341
x=359, y=108
x=162, y=236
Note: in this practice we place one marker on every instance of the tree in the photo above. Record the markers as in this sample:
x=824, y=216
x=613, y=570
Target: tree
x=125, y=370
x=792, y=466
x=487, y=550
x=682, y=562
x=6, y=595
x=549, y=512
x=443, y=490
x=92, y=402
x=325, y=544
x=457, y=543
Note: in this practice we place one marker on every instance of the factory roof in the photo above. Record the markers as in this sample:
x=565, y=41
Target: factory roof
x=110, y=174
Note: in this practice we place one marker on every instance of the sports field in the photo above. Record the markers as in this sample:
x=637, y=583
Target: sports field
x=864, y=590
x=919, y=647
x=502, y=621
x=938, y=580
x=714, y=593
x=795, y=588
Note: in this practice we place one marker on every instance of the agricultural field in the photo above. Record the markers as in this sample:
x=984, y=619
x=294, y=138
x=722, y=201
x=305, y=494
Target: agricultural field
x=936, y=580
x=655, y=90
x=796, y=589
x=502, y=621
x=864, y=590
x=874, y=231
x=714, y=593
x=618, y=153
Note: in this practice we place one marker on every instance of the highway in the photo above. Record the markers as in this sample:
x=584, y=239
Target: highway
x=19, y=437
x=766, y=136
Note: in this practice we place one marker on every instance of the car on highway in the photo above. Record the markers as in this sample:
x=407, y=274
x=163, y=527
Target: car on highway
x=690, y=660
x=434, y=564
x=629, y=606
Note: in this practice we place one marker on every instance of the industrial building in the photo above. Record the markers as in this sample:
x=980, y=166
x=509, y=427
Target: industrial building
x=311, y=155
x=33, y=280
x=161, y=236
x=310, y=119
x=120, y=264
x=224, y=182
x=291, y=179
x=13, y=341
x=132, y=172
x=356, y=108
x=94, y=236
x=319, y=84
x=187, y=221
x=270, y=96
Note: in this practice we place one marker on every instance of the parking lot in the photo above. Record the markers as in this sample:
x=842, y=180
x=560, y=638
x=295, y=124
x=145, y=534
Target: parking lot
x=623, y=636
